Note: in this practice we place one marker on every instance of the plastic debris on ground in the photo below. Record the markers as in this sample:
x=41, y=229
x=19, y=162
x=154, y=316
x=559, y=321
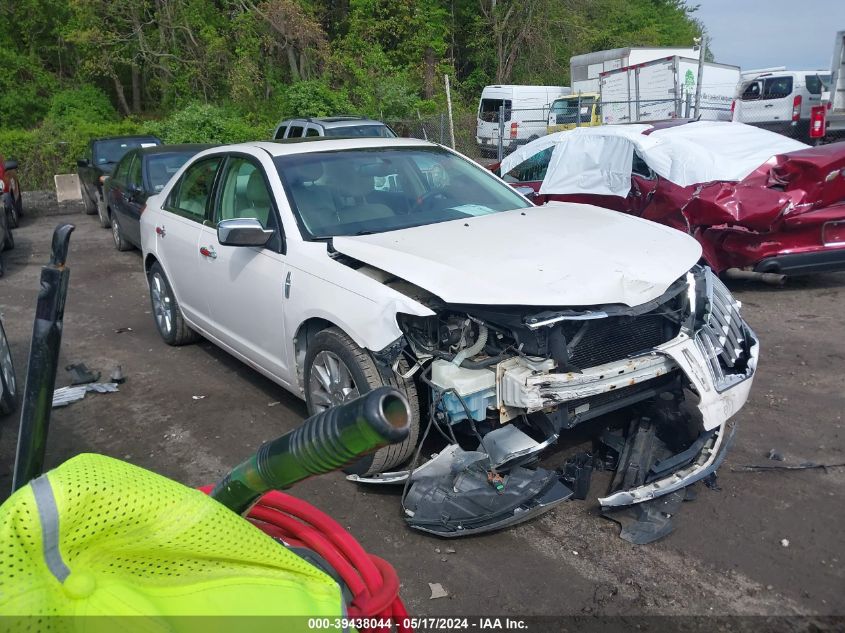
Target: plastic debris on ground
x=437, y=591
x=81, y=375
x=65, y=395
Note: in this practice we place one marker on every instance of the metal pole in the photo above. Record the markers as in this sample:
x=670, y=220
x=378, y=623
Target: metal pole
x=701, y=55
x=501, y=145
x=449, y=106
x=578, y=120
x=43, y=362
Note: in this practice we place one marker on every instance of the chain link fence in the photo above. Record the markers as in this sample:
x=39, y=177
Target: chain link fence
x=485, y=138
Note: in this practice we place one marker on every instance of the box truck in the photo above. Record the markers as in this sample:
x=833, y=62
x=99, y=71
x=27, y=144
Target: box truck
x=665, y=89
x=585, y=69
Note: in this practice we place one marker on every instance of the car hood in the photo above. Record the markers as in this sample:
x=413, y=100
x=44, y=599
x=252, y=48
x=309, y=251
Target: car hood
x=560, y=254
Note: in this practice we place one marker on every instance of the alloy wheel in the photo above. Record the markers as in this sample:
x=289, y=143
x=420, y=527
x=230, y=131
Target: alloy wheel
x=330, y=382
x=162, y=303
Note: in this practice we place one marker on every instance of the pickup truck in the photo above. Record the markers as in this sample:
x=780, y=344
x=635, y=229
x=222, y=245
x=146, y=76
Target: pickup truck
x=101, y=156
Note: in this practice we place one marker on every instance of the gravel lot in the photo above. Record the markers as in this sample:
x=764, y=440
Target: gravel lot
x=725, y=557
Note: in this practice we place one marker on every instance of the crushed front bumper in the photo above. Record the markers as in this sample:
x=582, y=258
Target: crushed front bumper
x=716, y=409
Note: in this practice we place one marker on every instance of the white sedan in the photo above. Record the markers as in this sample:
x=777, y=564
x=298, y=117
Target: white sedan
x=337, y=265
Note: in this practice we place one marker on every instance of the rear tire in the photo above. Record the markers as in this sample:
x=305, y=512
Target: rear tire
x=12, y=218
x=8, y=381
x=356, y=374
x=120, y=242
x=166, y=312
x=19, y=205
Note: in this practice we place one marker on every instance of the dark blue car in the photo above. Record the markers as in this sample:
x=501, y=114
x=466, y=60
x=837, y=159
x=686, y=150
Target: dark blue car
x=141, y=173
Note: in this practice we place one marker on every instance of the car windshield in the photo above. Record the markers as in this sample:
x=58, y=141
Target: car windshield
x=362, y=191
x=380, y=131
x=568, y=110
x=111, y=151
x=161, y=167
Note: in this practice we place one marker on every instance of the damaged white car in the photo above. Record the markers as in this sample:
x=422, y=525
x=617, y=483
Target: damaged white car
x=335, y=266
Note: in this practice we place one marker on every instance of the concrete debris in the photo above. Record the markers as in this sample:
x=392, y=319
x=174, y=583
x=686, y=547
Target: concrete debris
x=437, y=591
x=65, y=395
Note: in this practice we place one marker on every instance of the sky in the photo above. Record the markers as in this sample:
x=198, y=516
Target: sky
x=798, y=34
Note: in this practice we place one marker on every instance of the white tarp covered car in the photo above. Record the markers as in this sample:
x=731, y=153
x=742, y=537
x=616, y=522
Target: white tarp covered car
x=599, y=160
x=335, y=266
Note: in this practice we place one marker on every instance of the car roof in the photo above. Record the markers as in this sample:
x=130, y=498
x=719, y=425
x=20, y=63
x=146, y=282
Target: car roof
x=127, y=137
x=170, y=149
x=326, y=144
x=335, y=121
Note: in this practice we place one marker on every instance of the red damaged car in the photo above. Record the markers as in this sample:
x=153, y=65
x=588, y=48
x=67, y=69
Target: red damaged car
x=754, y=200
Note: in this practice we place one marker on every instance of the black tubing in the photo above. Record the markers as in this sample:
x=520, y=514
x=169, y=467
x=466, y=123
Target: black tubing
x=325, y=442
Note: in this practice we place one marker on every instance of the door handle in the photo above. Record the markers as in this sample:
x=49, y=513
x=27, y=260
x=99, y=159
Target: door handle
x=208, y=251
x=160, y=231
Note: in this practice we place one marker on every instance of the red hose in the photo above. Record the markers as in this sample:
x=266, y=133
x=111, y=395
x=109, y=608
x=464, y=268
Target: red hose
x=372, y=580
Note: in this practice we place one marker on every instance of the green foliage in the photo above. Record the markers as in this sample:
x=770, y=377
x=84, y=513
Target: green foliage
x=25, y=88
x=204, y=123
x=49, y=150
x=85, y=104
x=222, y=71
x=315, y=98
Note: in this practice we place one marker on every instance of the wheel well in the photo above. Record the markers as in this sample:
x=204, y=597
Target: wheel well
x=305, y=333
x=148, y=262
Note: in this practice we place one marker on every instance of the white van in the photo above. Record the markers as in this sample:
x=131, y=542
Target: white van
x=780, y=100
x=526, y=114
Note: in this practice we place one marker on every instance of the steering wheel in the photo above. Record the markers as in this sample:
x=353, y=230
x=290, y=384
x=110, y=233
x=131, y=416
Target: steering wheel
x=424, y=201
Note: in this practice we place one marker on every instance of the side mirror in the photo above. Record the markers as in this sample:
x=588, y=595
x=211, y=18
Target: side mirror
x=82, y=162
x=10, y=164
x=242, y=232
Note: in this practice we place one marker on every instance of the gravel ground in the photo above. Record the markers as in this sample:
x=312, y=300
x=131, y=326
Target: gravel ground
x=727, y=555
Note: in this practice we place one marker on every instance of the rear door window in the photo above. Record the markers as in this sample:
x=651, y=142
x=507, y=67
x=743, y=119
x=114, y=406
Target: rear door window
x=489, y=109
x=295, y=131
x=191, y=194
x=133, y=177
x=777, y=87
x=312, y=131
x=122, y=169
x=752, y=91
x=816, y=84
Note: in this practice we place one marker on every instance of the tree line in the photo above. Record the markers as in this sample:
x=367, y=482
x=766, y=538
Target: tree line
x=377, y=57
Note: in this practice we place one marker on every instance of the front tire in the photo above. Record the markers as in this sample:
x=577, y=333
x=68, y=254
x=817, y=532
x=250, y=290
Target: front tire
x=336, y=371
x=166, y=312
x=8, y=382
x=90, y=205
